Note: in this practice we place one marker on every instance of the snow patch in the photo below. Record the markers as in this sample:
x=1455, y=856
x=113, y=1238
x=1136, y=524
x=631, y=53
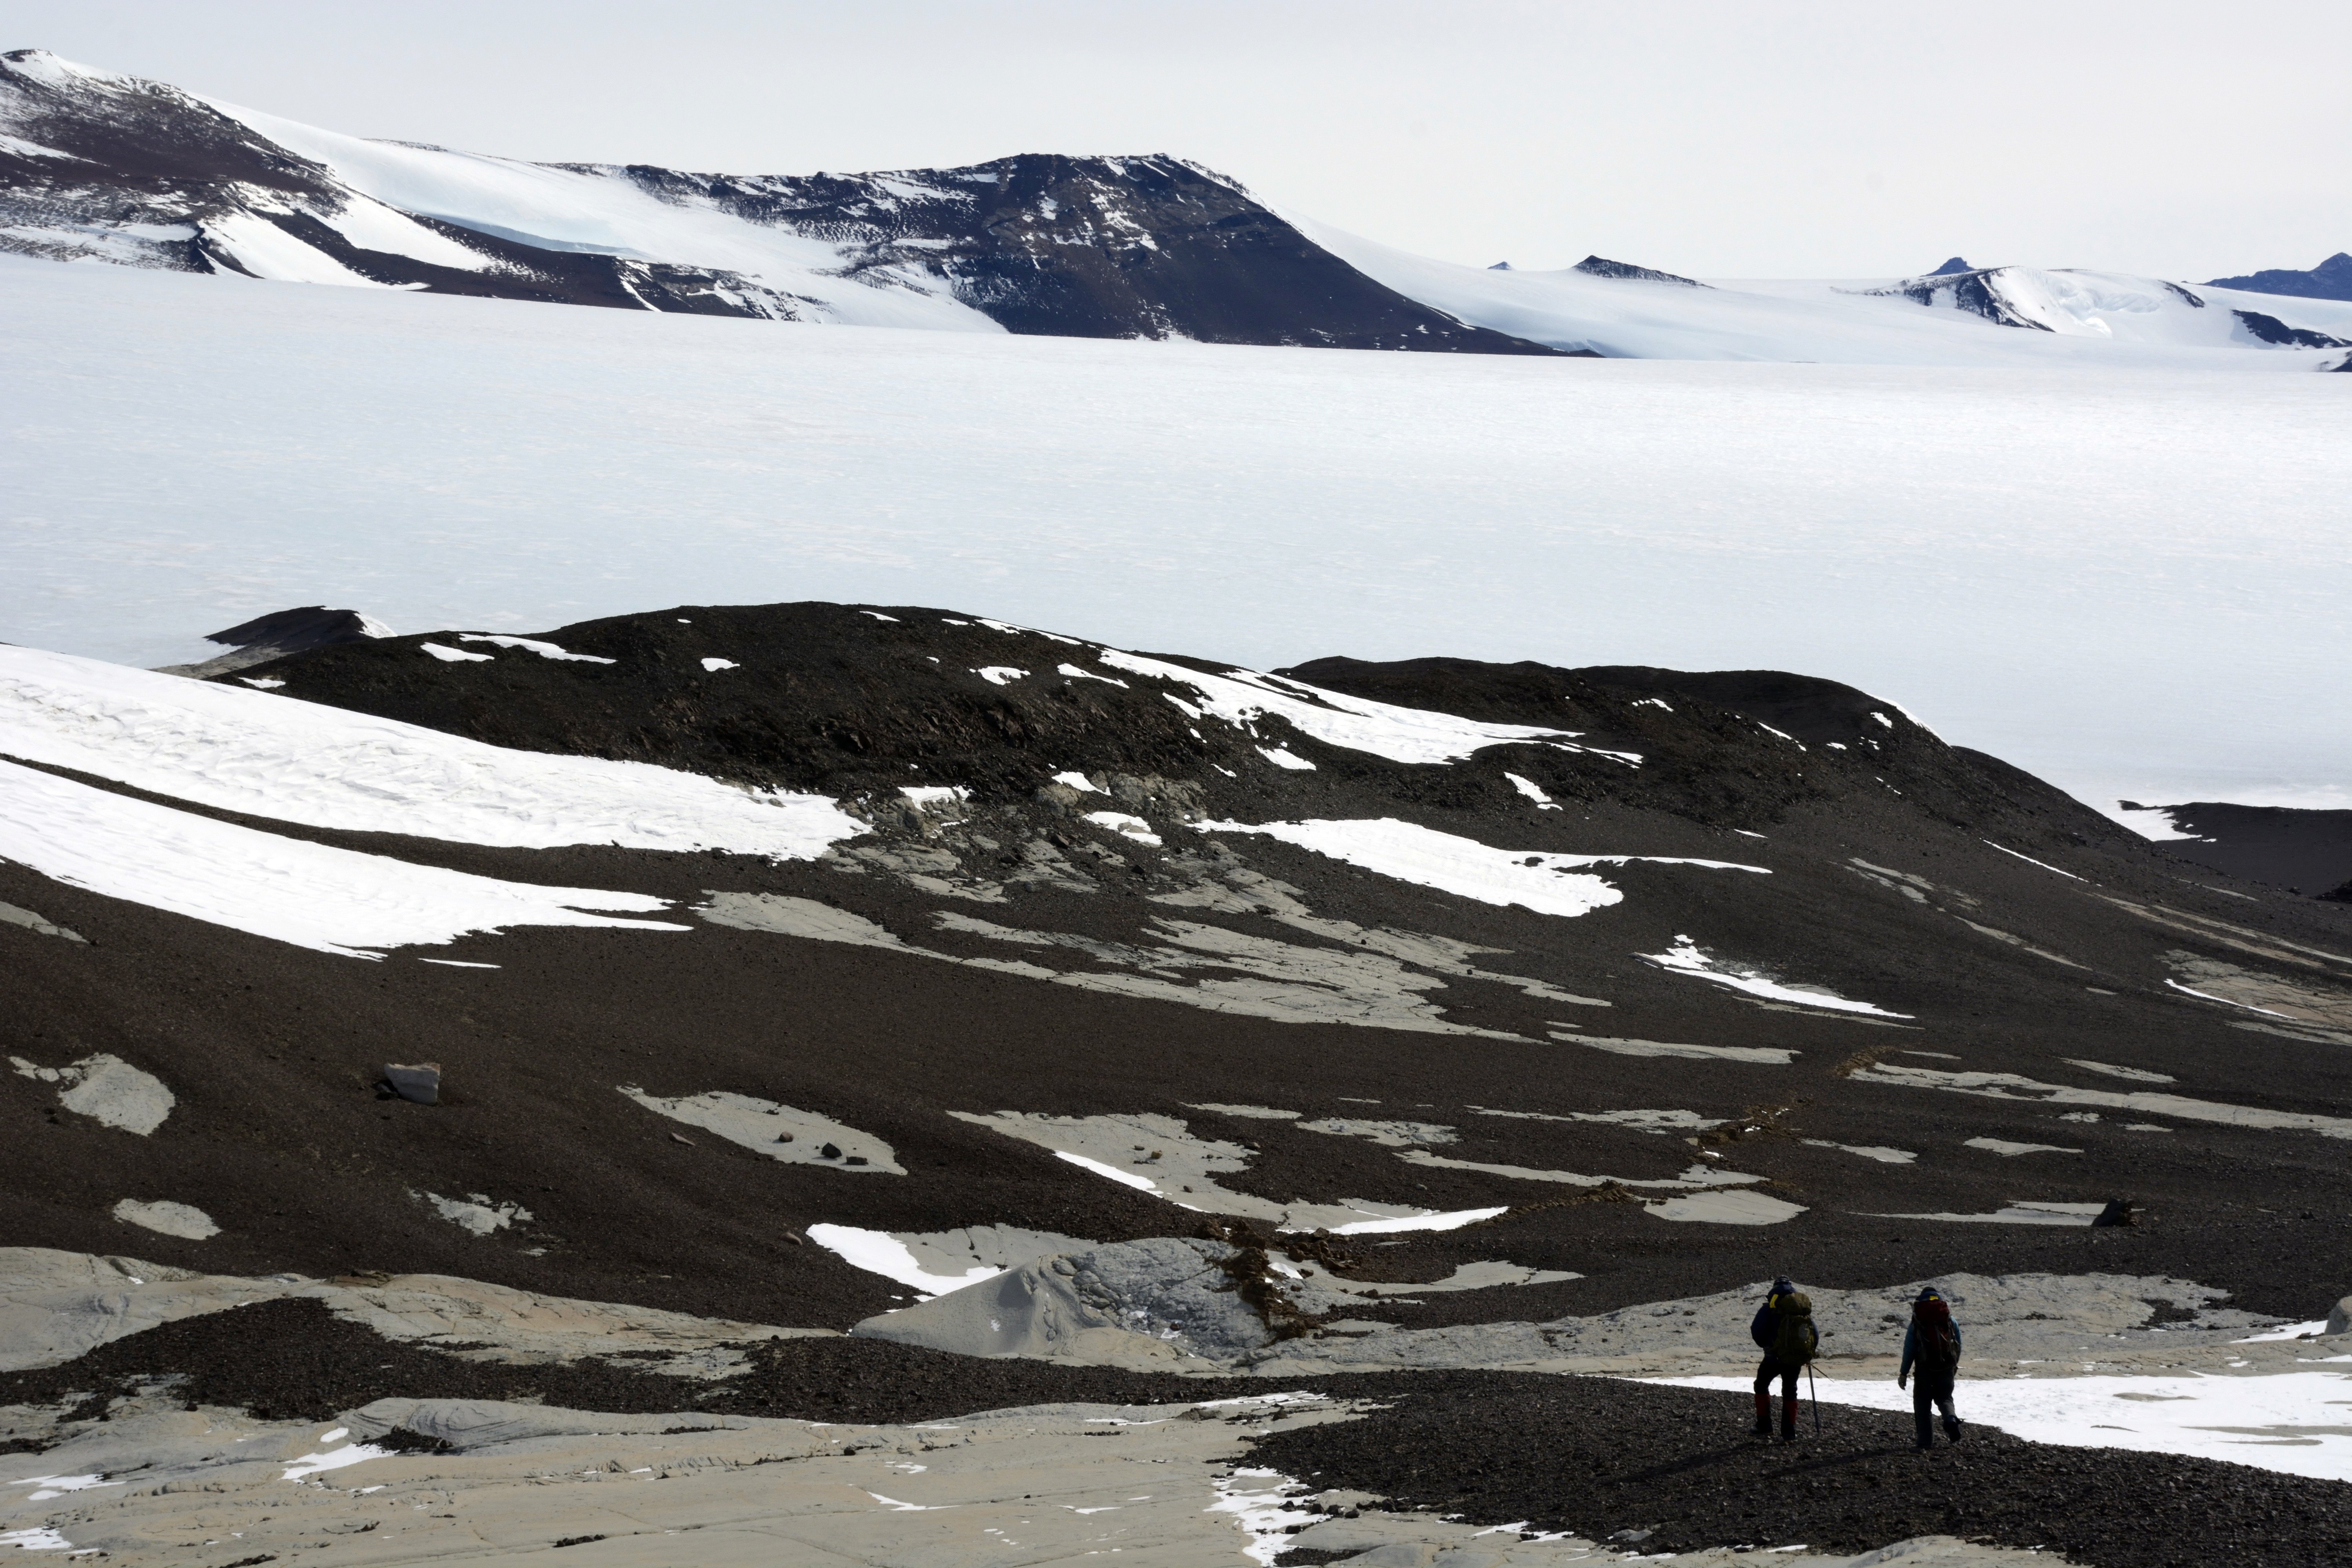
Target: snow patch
x=289, y=890
x=1242, y=697
x=326, y=767
x=1546, y=883
x=1534, y=791
x=1125, y=825
x=780, y=1132
x=1685, y=957
x=533, y=645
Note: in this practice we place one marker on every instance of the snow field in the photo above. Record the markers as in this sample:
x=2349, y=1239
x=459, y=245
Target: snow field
x=2285, y=1421
x=290, y=890
x=270, y=756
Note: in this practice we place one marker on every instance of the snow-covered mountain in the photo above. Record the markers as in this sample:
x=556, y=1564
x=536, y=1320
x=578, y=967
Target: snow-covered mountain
x=95, y=166
x=2058, y=315
x=99, y=167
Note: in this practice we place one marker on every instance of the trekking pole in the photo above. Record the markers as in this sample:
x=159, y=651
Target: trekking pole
x=1817, y=1398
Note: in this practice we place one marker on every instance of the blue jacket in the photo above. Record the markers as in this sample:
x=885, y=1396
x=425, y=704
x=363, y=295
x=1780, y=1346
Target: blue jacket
x=1911, y=1350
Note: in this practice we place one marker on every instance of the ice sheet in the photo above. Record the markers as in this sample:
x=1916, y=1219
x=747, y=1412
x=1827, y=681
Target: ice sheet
x=1805, y=517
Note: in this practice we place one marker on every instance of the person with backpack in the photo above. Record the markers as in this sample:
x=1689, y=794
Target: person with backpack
x=1784, y=1330
x=1931, y=1347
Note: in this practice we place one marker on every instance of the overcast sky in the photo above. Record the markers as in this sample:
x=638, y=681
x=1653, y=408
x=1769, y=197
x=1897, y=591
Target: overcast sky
x=1728, y=139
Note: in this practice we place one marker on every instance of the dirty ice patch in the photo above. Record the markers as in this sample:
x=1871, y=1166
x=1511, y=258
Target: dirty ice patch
x=2133, y=1075
x=1695, y=1177
x=287, y=890
x=1388, y=1134
x=533, y=645
x=1125, y=825
x=108, y=1090
x=1725, y=1208
x=1287, y=982
x=167, y=1218
x=1546, y=883
x=1242, y=697
x=263, y=756
x=349, y=1454
x=477, y=1212
x=2289, y=1422
x=11, y=915
x=2009, y=1086
x=1259, y=1502
x=1885, y=1156
x=2003, y=1146
x=778, y=1130
x=1762, y=1056
x=1160, y=1155
x=1685, y=957
x=1654, y=1122
x=2017, y=1213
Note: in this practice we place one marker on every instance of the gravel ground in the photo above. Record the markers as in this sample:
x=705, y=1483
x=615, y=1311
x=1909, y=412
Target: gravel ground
x=1597, y=1457
x=1592, y=1456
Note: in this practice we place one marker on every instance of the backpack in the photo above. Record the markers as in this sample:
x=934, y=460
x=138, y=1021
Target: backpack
x=1935, y=1342
x=1794, y=1339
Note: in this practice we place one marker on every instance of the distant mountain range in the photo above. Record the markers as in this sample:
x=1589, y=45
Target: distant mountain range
x=99, y=167
x=2331, y=280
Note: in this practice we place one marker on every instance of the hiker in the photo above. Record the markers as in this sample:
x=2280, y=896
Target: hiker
x=1783, y=1330
x=1931, y=1346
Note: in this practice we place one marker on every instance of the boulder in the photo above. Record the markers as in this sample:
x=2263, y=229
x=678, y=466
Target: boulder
x=2339, y=1319
x=416, y=1081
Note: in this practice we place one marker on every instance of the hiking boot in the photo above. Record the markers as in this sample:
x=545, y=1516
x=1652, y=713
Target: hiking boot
x=1952, y=1429
x=1761, y=1429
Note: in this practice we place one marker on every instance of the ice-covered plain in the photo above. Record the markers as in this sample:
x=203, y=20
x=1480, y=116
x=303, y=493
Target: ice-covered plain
x=186, y=451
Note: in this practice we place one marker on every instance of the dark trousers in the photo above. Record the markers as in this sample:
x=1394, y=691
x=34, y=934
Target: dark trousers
x=1766, y=1373
x=1933, y=1388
